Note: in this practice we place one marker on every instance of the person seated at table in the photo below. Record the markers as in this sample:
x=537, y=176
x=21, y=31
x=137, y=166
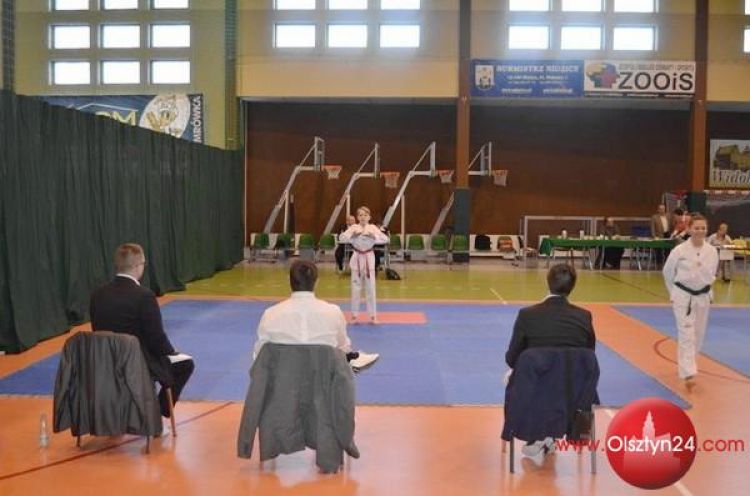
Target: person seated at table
x=680, y=220
x=612, y=255
x=719, y=239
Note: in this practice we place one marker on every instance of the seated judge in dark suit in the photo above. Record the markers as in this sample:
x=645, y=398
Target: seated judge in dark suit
x=554, y=322
x=123, y=305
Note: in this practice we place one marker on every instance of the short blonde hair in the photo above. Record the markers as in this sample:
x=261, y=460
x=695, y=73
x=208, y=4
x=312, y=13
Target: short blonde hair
x=364, y=209
x=128, y=256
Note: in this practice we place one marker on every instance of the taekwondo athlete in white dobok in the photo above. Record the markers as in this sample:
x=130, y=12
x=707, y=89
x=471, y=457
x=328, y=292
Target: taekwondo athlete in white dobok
x=363, y=236
x=688, y=273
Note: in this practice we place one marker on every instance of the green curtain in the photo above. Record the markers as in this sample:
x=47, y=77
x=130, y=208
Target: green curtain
x=73, y=186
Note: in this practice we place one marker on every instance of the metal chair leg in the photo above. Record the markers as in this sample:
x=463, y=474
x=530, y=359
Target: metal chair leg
x=148, y=444
x=592, y=442
x=171, y=411
x=78, y=441
x=511, y=458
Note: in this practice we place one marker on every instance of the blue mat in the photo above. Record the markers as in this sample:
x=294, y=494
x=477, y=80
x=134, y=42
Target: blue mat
x=727, y=337
x=457, y=358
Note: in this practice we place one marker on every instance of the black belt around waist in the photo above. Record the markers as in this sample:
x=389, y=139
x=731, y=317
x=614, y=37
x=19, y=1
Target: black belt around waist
x=694, y=292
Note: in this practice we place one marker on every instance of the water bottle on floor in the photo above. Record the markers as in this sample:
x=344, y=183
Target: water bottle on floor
x=43, y=437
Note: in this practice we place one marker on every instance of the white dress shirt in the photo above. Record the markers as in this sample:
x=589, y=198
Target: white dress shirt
x=303, y=319
x=694, y=267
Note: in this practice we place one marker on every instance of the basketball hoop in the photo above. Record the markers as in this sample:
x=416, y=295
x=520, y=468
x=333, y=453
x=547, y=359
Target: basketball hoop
x=500, y=177
x=445, y=175
x=332, y=171
x=391, y=179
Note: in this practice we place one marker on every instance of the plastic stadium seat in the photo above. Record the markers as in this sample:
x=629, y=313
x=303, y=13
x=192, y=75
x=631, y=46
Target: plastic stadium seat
x=260, y=243
x=284, y=245
x=438, y=245
x=459, y=248
x=396, y=248
x=415, y=246
x=306, y=247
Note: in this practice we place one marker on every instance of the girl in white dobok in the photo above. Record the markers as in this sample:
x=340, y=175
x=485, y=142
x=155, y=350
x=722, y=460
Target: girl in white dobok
x=688, y=273
x=363, y=236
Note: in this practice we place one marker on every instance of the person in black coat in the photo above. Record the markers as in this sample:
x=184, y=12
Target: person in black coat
x=123, y=305
x=554, y=322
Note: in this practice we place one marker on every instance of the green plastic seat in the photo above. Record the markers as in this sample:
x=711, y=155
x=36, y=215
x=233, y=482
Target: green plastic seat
x=395, y=243
x=284, y=241
x=437, y=243
x=306, y=242
x=415, y=242
x=260, y=242
x=460, y=243
x=327, y=242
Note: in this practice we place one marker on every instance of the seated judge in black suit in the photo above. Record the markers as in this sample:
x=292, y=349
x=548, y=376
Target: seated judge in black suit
x=553, y=322
x=123, y=305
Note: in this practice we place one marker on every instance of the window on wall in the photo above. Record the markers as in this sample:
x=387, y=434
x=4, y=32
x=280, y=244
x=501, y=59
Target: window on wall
x=399, y=5
x=399, y=35
x=634, y=38
x=746, y=49
x=170, y=72
x=65, y=73
x=528, y=37
x=120, y=4
x=170, y=35
x=70, y=4
x=581, y=38
x=347, y=4
x=294, y=36
x=170, y=4
x=582, y=5
x=528, y=5
x=295, y=4
x=70, y=37
x=347, y=35
x=747, y=7
x=121, y=36
x=121, y=72
x=635, y=6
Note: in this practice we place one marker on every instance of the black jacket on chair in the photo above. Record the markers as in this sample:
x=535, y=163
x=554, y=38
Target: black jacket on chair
x=104, y=387
x=300, y=396
x=546, y=389
x=122, y=306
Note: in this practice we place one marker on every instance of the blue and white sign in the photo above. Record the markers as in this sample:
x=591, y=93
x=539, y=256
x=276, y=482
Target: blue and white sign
x=527, y=78
x=180, y=114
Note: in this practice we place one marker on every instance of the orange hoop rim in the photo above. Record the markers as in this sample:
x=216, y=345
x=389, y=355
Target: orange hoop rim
x=332, y=171
x=500, y=176
x=390, y=178
x=445, y=175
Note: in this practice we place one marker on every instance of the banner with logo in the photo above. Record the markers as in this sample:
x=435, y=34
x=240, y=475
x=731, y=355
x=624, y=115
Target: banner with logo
x=180, y=114
x=527, y=78
x=642, y=78
x=729, y=164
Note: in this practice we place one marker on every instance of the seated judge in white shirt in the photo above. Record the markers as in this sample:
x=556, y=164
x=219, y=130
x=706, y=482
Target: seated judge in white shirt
x=302, y=318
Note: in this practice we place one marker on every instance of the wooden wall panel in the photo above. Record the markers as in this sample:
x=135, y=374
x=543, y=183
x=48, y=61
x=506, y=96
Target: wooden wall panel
x=565, y=161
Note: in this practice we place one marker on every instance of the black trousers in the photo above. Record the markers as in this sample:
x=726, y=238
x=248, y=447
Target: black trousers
x=181, y=371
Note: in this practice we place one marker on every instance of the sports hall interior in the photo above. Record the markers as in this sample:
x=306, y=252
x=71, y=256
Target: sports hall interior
x=429, y=412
